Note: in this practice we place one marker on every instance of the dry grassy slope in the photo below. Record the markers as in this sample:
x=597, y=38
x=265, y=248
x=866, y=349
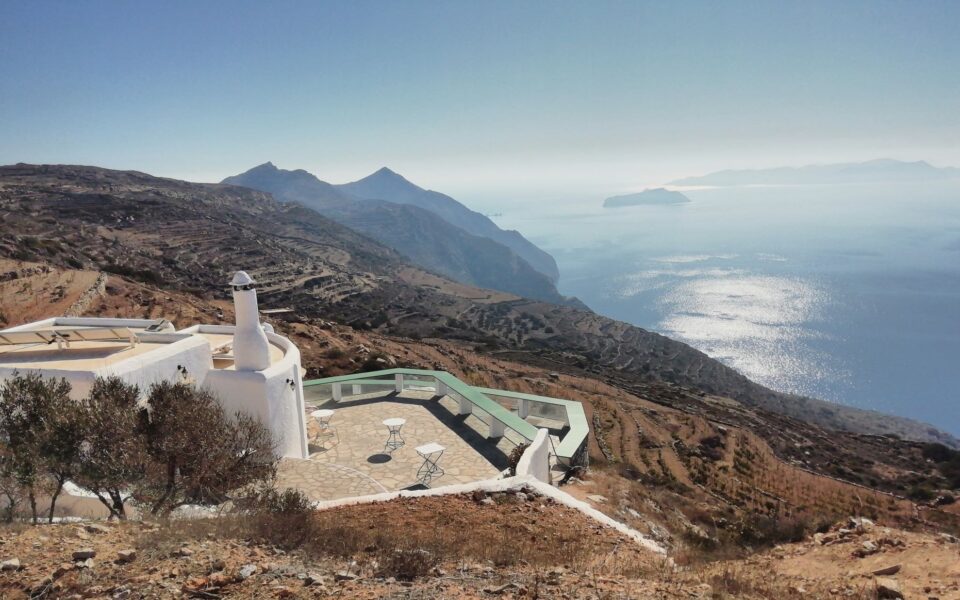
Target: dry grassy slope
x=650, y=446
x=512, y=548
x=189, y=236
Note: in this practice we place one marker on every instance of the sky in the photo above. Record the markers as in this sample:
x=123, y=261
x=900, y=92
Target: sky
x=478, y=98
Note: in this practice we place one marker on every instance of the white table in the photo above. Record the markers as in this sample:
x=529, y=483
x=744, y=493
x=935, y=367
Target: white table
x=394, y=439
x=327, y=431
x=429, y=470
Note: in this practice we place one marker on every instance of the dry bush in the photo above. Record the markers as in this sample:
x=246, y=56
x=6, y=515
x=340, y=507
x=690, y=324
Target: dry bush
x=407, y=564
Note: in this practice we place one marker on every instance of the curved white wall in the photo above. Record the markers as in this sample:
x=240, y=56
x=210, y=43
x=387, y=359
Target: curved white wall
x=536, y=458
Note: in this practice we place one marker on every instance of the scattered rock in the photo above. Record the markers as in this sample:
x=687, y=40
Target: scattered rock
x=247, y=571
x=126, y=556
x=513, y=585
x=888, y=588
x=891, y=570
x=345, y=576
x=597, y=498
x=62, y=569
x=866, y=549
x=312, y=579
x=84, y=554
x=488, y=501
x=220, y=579
x=860, y=524
x=85, y=564
x=196, y=583
x=184, y=552
x=824, y=538
x=96, y=528
x=285, y=592
x=12, y=564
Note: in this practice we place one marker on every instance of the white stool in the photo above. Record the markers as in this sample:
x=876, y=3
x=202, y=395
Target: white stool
x=394, y=439
x=327, y=431
x=429, y=470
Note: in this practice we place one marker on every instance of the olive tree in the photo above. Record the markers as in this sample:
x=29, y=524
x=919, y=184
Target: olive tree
x=113, y=457
x=197, y=453
x=38, y=435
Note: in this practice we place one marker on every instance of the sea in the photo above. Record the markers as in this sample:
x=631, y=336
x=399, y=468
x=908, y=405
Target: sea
x=849, y=293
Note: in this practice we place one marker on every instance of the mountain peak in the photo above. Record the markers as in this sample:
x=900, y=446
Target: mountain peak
x=384, y=184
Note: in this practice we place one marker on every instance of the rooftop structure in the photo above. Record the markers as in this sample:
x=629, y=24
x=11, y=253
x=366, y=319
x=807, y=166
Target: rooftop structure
x=249, y=367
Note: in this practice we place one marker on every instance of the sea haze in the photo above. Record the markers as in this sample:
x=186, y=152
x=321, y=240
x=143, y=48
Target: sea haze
x=849, y=293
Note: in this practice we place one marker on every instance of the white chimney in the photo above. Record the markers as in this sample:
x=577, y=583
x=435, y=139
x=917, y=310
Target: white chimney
x=251, y=350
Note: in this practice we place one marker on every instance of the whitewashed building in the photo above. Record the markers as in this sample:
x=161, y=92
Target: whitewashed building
x=247, y=366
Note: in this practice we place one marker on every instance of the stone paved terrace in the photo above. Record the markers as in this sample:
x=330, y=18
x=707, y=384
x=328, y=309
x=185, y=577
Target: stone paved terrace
x=358, y=464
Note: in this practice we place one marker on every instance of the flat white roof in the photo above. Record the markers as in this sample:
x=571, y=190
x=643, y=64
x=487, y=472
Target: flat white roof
x=97, y=354
x=80, y=356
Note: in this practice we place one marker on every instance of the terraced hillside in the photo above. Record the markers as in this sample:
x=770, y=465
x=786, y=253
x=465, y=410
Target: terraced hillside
x=191, y=236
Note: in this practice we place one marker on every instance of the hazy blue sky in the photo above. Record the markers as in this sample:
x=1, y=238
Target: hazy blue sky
x=480, y=97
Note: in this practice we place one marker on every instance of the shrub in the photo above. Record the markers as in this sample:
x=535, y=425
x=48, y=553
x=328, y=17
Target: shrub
x=281, y=517
x=406, y=564
x=514, y=459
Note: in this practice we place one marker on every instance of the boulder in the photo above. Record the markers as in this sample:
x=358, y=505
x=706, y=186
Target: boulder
x=891, y=570
x=84, y=553
x=866, y=549
x=96, y=528
x=12, y=564
x=888, y=589
x=126, y=556
x=247, y=571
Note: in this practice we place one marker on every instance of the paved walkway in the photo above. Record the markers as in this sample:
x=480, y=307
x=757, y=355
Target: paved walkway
x=358, y=463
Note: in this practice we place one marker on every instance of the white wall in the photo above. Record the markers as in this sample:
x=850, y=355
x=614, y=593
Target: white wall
x=160, y=364
x=267, y=394
x=536, y=458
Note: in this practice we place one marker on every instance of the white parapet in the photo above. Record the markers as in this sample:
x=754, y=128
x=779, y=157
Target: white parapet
x=535, y=460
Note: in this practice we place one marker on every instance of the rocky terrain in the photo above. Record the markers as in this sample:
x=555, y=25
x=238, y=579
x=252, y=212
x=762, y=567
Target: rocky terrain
x=507, y=545
x=188, y=237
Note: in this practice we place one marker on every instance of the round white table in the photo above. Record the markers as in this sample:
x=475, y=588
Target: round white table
x=322, y=415
x=327, y=430
x=394, y=439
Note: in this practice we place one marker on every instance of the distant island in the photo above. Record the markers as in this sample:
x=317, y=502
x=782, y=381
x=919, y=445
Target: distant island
x=657, y=196
x=873, y=171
